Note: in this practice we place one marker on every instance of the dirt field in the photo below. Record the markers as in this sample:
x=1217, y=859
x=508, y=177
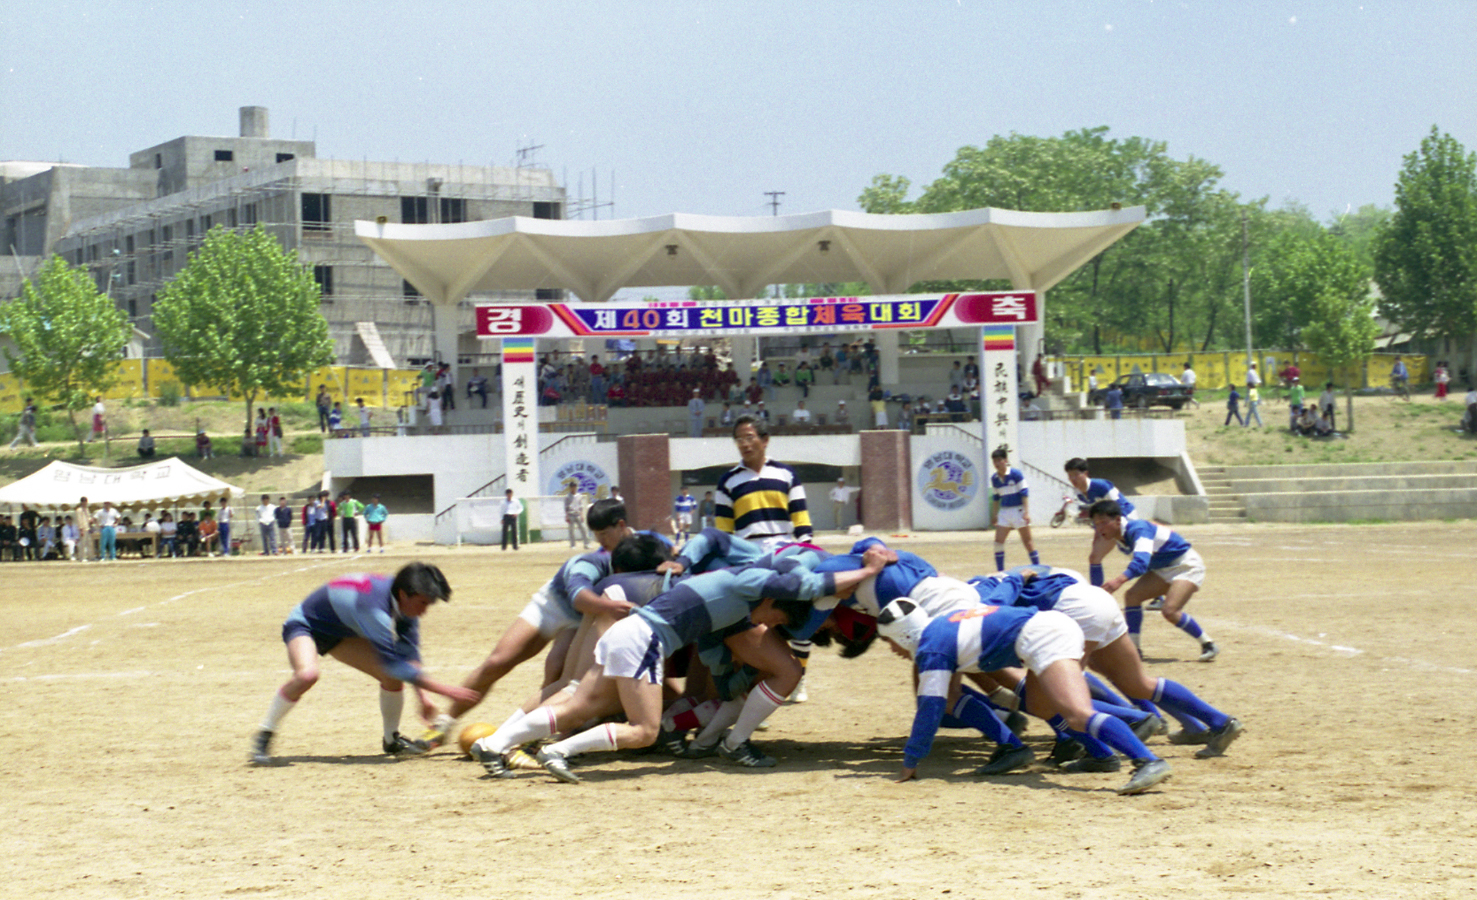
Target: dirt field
x=131, y=690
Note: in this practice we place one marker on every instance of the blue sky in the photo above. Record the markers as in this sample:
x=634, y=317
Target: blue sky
x=703, y=107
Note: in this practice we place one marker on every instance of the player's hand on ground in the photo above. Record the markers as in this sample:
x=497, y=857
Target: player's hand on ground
x=906, y=775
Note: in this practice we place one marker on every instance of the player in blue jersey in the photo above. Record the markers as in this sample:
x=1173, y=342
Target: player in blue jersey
x=1089, y=491
x=1109, y=649
x=631, y=662
x=682, y=509
x=989, y=638
x=367, y=622
x=554, y=614
x=1163, y=562
x=1011, y=495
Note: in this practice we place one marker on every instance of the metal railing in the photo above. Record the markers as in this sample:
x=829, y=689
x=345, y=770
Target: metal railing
x=544, y=452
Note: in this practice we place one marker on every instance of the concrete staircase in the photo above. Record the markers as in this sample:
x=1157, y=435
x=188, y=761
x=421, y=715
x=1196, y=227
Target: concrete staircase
x=1399, y=492
x=1226, y=506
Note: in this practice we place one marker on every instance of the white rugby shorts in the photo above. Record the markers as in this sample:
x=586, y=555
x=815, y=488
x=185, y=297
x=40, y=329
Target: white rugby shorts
x=1048, y=637
x=547, y=616
x=1095, y=612
x=1189, y=567
x=1011, y=517
x=630, y=649
x=941, y=595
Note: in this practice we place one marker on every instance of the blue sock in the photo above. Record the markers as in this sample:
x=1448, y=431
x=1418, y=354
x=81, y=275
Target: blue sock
x=1101, y=691
x=1094, y=747
x=1035, y=558
x=1095, y=574
x=979, y=715
x=1189, y=626
x=1131, y=715
x=1147, y=706
x=1117, y=735
x=1179, y=700
x=1000, y=562
x=1134, y=616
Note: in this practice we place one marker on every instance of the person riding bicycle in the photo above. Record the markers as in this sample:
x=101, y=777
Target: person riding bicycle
x=1400, y=378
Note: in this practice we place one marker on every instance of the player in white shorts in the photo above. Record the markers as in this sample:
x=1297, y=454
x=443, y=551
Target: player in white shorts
x=1013, y=511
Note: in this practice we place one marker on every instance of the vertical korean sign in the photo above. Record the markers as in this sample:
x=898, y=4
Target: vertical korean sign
x=520, y=420
x=999, y=403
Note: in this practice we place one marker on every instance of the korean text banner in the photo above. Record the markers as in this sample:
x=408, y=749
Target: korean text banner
x=787, y=316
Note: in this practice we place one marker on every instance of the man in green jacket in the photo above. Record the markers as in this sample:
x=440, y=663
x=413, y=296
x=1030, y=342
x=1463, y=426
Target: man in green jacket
x=349, y=510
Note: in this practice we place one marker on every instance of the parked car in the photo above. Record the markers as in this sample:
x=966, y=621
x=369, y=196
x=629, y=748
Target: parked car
x=1145, y=389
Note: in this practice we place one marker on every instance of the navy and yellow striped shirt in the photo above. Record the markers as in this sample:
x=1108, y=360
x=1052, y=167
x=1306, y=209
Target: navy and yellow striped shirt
x=770, y=502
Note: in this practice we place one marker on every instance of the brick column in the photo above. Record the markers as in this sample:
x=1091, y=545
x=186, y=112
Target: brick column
x=645, y=467
x=887, y=490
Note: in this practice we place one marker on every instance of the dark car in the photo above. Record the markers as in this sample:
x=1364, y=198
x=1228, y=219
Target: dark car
x=1144, y=389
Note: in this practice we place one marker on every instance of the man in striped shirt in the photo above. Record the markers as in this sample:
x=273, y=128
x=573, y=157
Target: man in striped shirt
x=763, y=501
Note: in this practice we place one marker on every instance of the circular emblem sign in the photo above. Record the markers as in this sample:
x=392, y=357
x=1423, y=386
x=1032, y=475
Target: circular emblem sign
x=587, y=478
x=948, y=480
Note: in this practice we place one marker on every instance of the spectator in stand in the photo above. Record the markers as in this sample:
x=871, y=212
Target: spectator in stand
x=826, y=362
x=616, y=395
x=146, y=445
x=202, y=444
x=445, y=388
x=842, y=416
x=842, y=362
x=1038, y=374
x=878, y=400
x=781, y=378
x=954, y=405
x=956, y=376
x=804, y=378
x=972, y=370
x=695, y=410
x=477, y=386
x=761, y=412
x=597, y=380
x=905, y=417
x=801, y=416
x=755, y=393
x=765, y=380
x=726, y=419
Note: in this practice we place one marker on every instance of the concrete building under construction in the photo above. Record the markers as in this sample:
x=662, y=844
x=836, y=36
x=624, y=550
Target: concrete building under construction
x=135, y=227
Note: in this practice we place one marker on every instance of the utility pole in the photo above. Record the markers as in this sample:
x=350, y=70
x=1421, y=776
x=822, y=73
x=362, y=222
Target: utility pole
x=1246, y=285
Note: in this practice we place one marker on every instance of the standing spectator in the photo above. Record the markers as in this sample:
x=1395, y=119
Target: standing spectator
x=83, y=521
x=695, y=409
x=445, y=388
x=1114, y=401
x=1253, y=408
x=98, y=423
x=146, y=445
x=1327, y=404
x=375, y=515
x=324, y=403
x=331, y=525
x=107, y=523
x=433, y=410
x=283, y=517
x=349, y=511
x=364, y=416
x=477, y=385
x=202, y=444
x=26, y=431
x=1233, y=405
x=1295, y=397
x=335, y=419
x=511, y=510
x=801, y=416
x=879, y=406
x=707, y=509
x=1442, y=377
x=1187, y=378
x=972, y=370
x=905, y=417
x=840, y=499
x=1253, y=379
x=956, y=376
x=223, y=521
x=262, y=430
x=765, y=380
x=826, y=362
x=576, y=505
x=266, y=521
x=274, y=435
x=597, y=380
x=1038, y=374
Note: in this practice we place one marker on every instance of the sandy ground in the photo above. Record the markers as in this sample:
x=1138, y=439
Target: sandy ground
x=131, y=690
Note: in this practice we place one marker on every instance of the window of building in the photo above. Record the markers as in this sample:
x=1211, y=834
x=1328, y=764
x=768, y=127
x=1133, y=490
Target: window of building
x=248, y=214
x=542, y=210
x=411, y=294
x=130, y=272
x=158, y=160
x=189, y=230
x=453, y=209
x=316, y=212
x=231, y=218
x=205, y=223
x=133, y=308
x=284, y=157
x=324, y=276
x=224, y=155
x=414, y=211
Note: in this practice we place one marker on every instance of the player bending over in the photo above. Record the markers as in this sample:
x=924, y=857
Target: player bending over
x=367, y=622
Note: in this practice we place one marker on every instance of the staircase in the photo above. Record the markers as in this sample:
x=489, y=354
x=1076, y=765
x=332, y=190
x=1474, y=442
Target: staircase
x=1226, y=506
x=369, y=333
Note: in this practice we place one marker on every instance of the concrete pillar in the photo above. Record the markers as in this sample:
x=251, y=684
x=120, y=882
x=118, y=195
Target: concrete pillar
x=254, y=122
x=887, y=489
x=447, y=335
x=644, y=461
x=742, y=347
x=886, y=340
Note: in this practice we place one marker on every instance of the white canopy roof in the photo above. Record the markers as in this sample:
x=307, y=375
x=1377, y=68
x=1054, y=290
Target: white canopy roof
x=168, y=482
x=743, y=254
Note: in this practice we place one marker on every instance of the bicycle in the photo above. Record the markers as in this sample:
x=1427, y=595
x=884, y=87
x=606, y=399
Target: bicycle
x=1399, y=387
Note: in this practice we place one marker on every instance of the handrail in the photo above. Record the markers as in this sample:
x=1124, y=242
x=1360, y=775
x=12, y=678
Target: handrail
x=590, y=437
x=1036, y=472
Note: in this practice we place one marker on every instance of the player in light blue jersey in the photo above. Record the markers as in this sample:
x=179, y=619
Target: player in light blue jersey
x=631, y=663
x=1011, y=495
x=682, y=509
x=1163, y=562
x=1109, y=650
x=1089, y=491
x=989, y=638
x=370, y=623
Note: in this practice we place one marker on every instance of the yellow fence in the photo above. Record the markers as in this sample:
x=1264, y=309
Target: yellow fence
x=1221, y=368
x=143, y=379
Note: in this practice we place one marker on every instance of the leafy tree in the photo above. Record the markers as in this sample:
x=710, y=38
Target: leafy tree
x=1359, y=228
x=242, y=316
x=1294, y=271
x=1426, y=255
x=69, y=337
x=1340, y=328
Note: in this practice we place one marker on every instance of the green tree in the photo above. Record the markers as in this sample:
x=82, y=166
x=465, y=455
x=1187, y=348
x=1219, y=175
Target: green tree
x=1359, y=228
x=1426, y=256
x=1341, y=328
x=242, y=316
x=1292, y=275
x=68, y=335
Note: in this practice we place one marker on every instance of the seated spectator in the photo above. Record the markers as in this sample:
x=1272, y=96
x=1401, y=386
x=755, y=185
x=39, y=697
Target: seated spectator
x=801, y=416
x=842, y=416
x=152, y=526
x=954, y=406
x=804, y=378
x=69, y=538
x=202, y=444
x=781, y=377
x=761, y=412
x=26, y=541
x=187, y=535
x=209, y=534
x=168, y=532
x=905, y=416
x=146, y=445
x=615, y=395
x=9, y=539
x=45, y=539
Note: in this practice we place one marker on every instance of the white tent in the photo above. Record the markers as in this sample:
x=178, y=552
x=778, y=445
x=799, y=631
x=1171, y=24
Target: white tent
x=168, y=482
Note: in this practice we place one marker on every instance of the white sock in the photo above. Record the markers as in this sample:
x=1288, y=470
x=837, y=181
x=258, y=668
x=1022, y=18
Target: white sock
x=763, y=701
x=601, y=737
x=724, y=716
x=280, y=707
x=535, y=725
x=514, y=716
x=392, y=703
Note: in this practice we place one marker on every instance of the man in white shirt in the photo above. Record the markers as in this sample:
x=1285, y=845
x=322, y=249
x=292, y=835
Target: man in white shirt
x=266, y=520
x=801, y=415
x=70, y=537
x=1187, y=378
x=512, y=508
x=840, y=497
x=223, y=518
